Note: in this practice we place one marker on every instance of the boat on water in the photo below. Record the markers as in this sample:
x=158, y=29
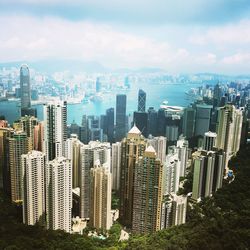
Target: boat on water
x=167, y=107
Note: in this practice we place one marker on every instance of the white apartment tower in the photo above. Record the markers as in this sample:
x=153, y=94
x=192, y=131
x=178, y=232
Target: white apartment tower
x=59, y=194
x=55, y=129
x=33, y=192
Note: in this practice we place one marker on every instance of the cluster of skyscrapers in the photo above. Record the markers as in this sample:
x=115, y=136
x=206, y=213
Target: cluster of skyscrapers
x=58, y=172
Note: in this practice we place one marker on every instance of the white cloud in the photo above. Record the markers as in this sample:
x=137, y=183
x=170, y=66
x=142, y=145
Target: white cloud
x=238, y=33
x=29, y=38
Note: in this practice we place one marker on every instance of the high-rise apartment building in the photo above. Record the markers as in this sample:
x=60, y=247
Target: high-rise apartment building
x=5, y=133
x=208, y=172
x=116, y=165
x=55, y=129
x=182, y=149
x=171, y=174
x=160, y=145
x=141, y=101
x=174, y=210
x=33, y=191
x=17, y=145
x=100, y=196
x=209, y=140
x=59, y=194
x=89, y=155
x=120, y=128
x=73, y=152
x=147, y=197
x=133, y=146
x=228, y=129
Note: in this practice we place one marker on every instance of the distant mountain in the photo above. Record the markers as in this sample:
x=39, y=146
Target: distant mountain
x=51, y=66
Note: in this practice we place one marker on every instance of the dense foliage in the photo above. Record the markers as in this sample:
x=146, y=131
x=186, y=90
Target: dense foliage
x=220, y=222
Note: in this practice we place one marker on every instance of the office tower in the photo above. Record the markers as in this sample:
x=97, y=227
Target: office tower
x=116, y=165
x=208, y=172
x=5, y=133
x=173, y=127
x=33, y=191
x=174, y=210
x=160, y=145
x=171, y=174
x=98, y=85
x=100, y=196
x=182, y=149
x=73, y=152
x=127, y=82
x=89, y=155
x=133, y=146
x=209, y=140
x=161, y=121
x=55, y=129
x=147, y=196
x=95, y=132
x=141, y=122
x=25, y=87
x=38, y=136
x=202, y=120
x=120, y=129
x=141, y=101
x=228, y=129
x=17, y=145
x=84, y=130
x=152, y=122
x=59, y=194
x=188, y=124
x=217, y=95
x=110, y=116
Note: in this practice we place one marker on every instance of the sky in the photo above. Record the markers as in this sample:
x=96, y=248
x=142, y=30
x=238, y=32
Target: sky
x=178, y=36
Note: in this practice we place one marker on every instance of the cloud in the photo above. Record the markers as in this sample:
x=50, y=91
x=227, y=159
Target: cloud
x=237, y=33
x=237, y=59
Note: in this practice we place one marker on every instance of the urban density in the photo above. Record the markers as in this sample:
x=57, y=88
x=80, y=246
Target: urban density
x=66, y=174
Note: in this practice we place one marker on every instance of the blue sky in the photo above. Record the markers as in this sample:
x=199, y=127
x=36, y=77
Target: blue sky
x=179, y=36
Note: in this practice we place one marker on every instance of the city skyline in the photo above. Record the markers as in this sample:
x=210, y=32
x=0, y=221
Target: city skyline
x=177, y=37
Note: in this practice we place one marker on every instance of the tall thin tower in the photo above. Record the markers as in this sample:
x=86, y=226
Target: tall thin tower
x=55, y=129
x=25, y=87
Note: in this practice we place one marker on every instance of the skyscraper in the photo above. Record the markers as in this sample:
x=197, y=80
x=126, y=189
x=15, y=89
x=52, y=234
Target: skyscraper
x=228, y=129
x=73, y=152
x=5, y=133
x=25, y=86
x=188, y=122
x=171, y=173
x=33, y=191
x=17, y=145
x=182, y=149
x=152, y=122
x=160, y=145
x=110, y=115
x=141, y=101
x=55, y=129
x=174, y=210
x=133, y=146
x=208, y=172
x=116, y=165
x=202, y=120
x=147, y=197
x=89, y=155
x=141, y=122
x=59, y=194
x=120, y=129
x=100, y=196
x=209, y=140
